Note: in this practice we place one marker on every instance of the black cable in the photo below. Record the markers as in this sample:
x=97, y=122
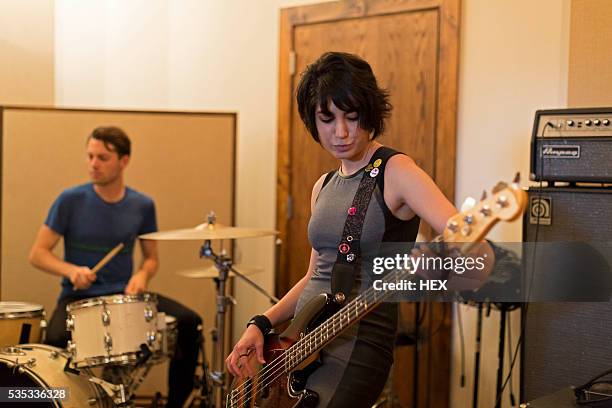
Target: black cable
x=460, y=322
x=512, y=399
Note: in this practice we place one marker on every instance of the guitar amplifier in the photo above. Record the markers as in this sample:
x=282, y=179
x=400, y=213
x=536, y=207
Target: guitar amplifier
x=572, y=145
x=566, y=343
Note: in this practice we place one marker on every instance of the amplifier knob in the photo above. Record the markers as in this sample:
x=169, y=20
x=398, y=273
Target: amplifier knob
x=588, y=122
x=597, y=122
x=570, y=123
x=606, y=122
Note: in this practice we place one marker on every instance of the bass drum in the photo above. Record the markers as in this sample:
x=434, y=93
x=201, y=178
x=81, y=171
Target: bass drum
x=38, y=365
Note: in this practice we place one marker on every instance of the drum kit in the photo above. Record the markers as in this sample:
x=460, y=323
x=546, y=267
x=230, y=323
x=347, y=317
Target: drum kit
x=117, y=339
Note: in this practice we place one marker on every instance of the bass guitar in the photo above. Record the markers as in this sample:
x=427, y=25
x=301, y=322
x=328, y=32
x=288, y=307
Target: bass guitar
x=293, y=354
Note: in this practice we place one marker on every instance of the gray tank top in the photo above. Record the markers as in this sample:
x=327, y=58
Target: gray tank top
x=369, y=343
x=328, y=218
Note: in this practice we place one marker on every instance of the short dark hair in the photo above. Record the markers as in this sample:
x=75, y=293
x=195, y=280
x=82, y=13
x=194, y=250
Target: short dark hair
x=114, y=138
x=349, y=82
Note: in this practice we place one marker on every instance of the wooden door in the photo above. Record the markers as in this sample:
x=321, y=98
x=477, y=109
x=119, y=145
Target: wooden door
x=412, y=48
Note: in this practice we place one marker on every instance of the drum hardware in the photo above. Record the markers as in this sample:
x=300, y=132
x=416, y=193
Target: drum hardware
x=68, y=367
x=12, y=351
x=203, y=388
x=120, y=382
x=223, y=269
x=117, y=392
x=105, y=317
x=224, y=266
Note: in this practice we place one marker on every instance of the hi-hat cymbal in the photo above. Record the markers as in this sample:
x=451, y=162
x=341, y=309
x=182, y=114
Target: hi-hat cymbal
x=212, y=272
x=207, y=231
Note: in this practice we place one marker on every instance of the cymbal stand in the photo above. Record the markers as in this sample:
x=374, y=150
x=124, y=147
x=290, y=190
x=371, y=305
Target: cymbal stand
x=272, y=299
x=223, y=265
x=202, y=390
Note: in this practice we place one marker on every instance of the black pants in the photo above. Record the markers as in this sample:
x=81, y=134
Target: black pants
x=182, y=365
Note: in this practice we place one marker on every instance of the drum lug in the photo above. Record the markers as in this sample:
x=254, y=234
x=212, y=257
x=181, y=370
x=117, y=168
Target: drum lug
x=12, y=351
x=108, y=342
x=151, y=336
x=20, y=366
x=148, y=314
x=70, y=323
x=54, y=354
x=106, y=317
x=71, y=348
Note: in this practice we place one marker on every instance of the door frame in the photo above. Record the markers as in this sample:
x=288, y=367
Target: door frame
x=446, y=93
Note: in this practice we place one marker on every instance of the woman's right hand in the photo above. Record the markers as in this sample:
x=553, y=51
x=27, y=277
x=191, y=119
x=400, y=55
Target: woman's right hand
x=252, y=340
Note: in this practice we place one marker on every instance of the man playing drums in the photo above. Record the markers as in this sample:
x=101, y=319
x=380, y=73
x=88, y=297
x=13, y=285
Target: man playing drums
x=93, y=218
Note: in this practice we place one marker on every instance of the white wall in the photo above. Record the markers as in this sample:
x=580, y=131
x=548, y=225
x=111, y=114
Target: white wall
x=513, y=61
x=189, y=54
x=26, y=52
x=223, y=55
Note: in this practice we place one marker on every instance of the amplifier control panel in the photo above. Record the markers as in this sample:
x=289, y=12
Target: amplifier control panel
x=574, y=124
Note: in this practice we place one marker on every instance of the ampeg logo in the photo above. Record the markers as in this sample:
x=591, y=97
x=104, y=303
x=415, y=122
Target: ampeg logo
x=561, y=151
x=540, y=211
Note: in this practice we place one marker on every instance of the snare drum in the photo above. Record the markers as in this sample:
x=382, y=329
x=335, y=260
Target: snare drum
x=111, y=329
x=42, y=367
x=21, y=322
x=167, y=329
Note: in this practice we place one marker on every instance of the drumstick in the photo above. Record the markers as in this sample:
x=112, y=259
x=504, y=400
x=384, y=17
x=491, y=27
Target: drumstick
x=107, y=258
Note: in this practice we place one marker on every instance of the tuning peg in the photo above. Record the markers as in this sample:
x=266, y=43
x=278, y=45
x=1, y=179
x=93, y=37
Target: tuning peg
x=517, y=177
x=499, y=187
x=469, y=203
x=484, y=195
x=453, y=226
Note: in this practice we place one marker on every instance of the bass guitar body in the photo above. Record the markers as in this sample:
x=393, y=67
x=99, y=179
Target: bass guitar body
x=274, y=386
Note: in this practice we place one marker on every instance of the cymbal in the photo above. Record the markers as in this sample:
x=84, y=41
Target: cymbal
x=207, y=231
x=212, y=272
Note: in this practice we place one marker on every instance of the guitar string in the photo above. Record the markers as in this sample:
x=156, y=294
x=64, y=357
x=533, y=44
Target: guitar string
x=337, y=321
x=277, y=365
x=333, y=321
x=293, y=352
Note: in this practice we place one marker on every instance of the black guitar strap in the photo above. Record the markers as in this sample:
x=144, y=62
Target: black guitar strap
x=348, y=259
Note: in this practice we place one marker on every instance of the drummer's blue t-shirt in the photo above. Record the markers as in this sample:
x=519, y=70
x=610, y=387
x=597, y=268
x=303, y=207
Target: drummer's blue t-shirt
x=91, y=227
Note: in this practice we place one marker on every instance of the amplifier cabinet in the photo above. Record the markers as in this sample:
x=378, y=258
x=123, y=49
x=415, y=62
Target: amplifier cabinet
x=566, y=343
x=572, y=145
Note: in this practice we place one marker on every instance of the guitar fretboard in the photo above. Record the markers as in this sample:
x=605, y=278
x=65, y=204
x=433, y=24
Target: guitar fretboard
x=344, y=318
